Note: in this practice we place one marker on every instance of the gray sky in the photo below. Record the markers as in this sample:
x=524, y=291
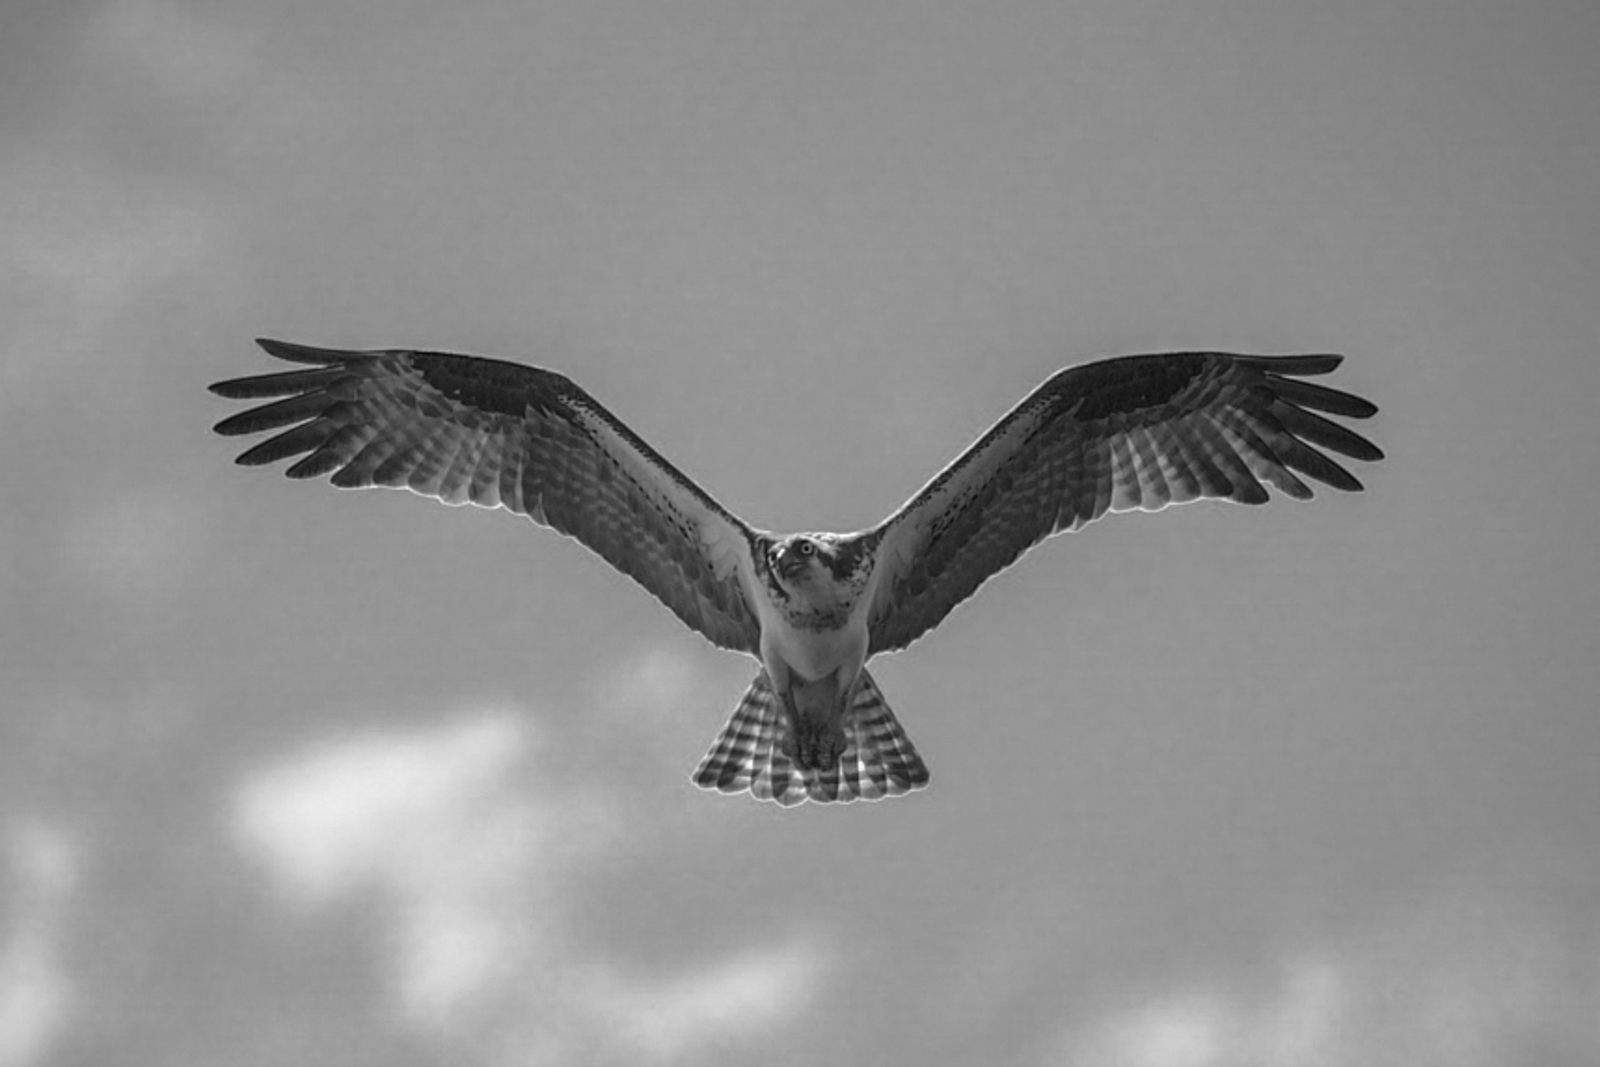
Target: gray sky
x=295, y=775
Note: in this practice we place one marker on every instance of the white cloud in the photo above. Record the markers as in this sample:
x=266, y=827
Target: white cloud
x=430, y=821
x=667, y=1021
x=477, y=868
x=655, y=683
x=362, y=809
x=35, y=993
x=1459, y=984
x=649, y=696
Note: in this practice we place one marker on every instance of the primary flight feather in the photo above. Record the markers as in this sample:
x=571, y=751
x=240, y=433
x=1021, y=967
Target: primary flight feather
x=1134, y=433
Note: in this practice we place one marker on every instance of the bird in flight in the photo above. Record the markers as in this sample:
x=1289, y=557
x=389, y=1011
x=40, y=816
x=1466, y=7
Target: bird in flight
x=1133, y=433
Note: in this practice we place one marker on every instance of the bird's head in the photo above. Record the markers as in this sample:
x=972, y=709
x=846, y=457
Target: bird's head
x=797, y=559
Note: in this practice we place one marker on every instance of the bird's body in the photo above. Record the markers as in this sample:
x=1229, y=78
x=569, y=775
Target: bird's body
x=1132, y=433
x=814, y=637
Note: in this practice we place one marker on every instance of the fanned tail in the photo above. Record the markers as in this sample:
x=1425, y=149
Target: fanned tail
x=878, y=761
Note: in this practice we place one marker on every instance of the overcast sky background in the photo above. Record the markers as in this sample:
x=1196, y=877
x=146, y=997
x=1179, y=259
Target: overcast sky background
x=290, y=775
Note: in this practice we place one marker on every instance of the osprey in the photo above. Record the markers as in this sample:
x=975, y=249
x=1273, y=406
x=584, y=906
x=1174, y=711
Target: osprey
x=1134, y=433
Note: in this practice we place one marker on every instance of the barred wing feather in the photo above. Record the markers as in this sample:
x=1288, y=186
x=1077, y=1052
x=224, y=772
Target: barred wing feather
x=1135, y=433
x=468, y=430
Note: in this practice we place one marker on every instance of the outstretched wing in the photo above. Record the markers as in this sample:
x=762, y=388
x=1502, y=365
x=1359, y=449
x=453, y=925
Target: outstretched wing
x=1134, y=433
x=468, y=430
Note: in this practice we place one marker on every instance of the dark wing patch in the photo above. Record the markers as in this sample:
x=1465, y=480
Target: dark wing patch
x=468, y=430
x=1136, y=433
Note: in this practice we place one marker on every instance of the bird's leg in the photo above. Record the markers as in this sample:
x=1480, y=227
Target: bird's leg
x=816, y=740
x=783, y=684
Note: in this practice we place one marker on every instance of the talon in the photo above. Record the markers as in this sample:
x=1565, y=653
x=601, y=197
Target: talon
x=820, y=746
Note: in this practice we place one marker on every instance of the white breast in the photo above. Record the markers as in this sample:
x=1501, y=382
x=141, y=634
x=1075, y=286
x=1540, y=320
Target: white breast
x=809, y=651
x=813, y=654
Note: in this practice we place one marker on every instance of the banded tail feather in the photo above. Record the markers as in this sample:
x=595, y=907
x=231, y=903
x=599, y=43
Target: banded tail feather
x=878, y=761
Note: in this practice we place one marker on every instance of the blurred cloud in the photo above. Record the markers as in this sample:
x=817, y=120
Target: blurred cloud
x=477, y=865
x=429, y=821
x=182, y=52
x=101, y=241
x=665, y=1021
x=129, y=205
x=658, y=707
x=83, y=246
x=211, y=62
x=1458, y=983
x=35, y=993
x=360, y=809
x=652, y=684
x=135, y=545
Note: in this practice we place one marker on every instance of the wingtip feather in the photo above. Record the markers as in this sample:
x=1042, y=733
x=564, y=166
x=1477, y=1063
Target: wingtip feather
x=284, y=383
x=1310, y=363
x=291, y=352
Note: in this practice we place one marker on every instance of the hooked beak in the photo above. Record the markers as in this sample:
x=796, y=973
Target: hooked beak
x=791, y=565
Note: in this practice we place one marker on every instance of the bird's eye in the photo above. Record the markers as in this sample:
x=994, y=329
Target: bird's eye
x=806, y=548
